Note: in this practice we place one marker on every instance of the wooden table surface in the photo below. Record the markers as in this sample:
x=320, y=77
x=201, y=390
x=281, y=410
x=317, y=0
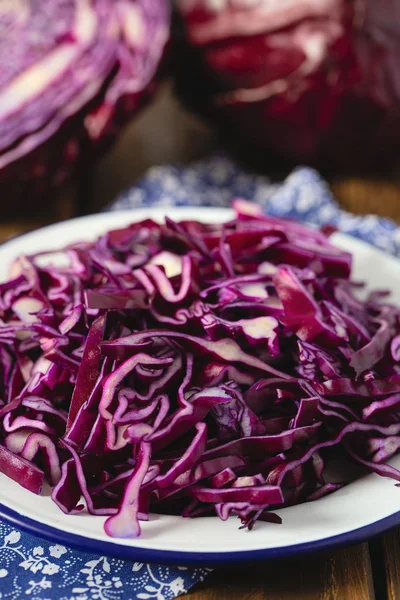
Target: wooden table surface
x=164, y=133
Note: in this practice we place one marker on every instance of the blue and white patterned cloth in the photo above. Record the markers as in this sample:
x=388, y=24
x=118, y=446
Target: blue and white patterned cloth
x=303, y=196
x=39, y=570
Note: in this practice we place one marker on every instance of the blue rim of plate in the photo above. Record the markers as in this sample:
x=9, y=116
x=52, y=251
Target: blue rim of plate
x=91, y=545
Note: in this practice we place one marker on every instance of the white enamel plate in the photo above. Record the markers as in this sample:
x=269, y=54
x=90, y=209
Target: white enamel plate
x=364, y=508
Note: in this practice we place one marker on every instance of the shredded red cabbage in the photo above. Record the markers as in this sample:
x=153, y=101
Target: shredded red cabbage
x=195, y=369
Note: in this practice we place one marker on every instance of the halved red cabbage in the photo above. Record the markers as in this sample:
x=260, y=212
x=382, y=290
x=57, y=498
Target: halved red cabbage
x=312, y=81
x=71, y=71
x=195, y=369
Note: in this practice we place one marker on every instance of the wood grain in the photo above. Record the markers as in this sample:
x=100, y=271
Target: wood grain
x=345, y=575
x=390, y=544
x=369, y=196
